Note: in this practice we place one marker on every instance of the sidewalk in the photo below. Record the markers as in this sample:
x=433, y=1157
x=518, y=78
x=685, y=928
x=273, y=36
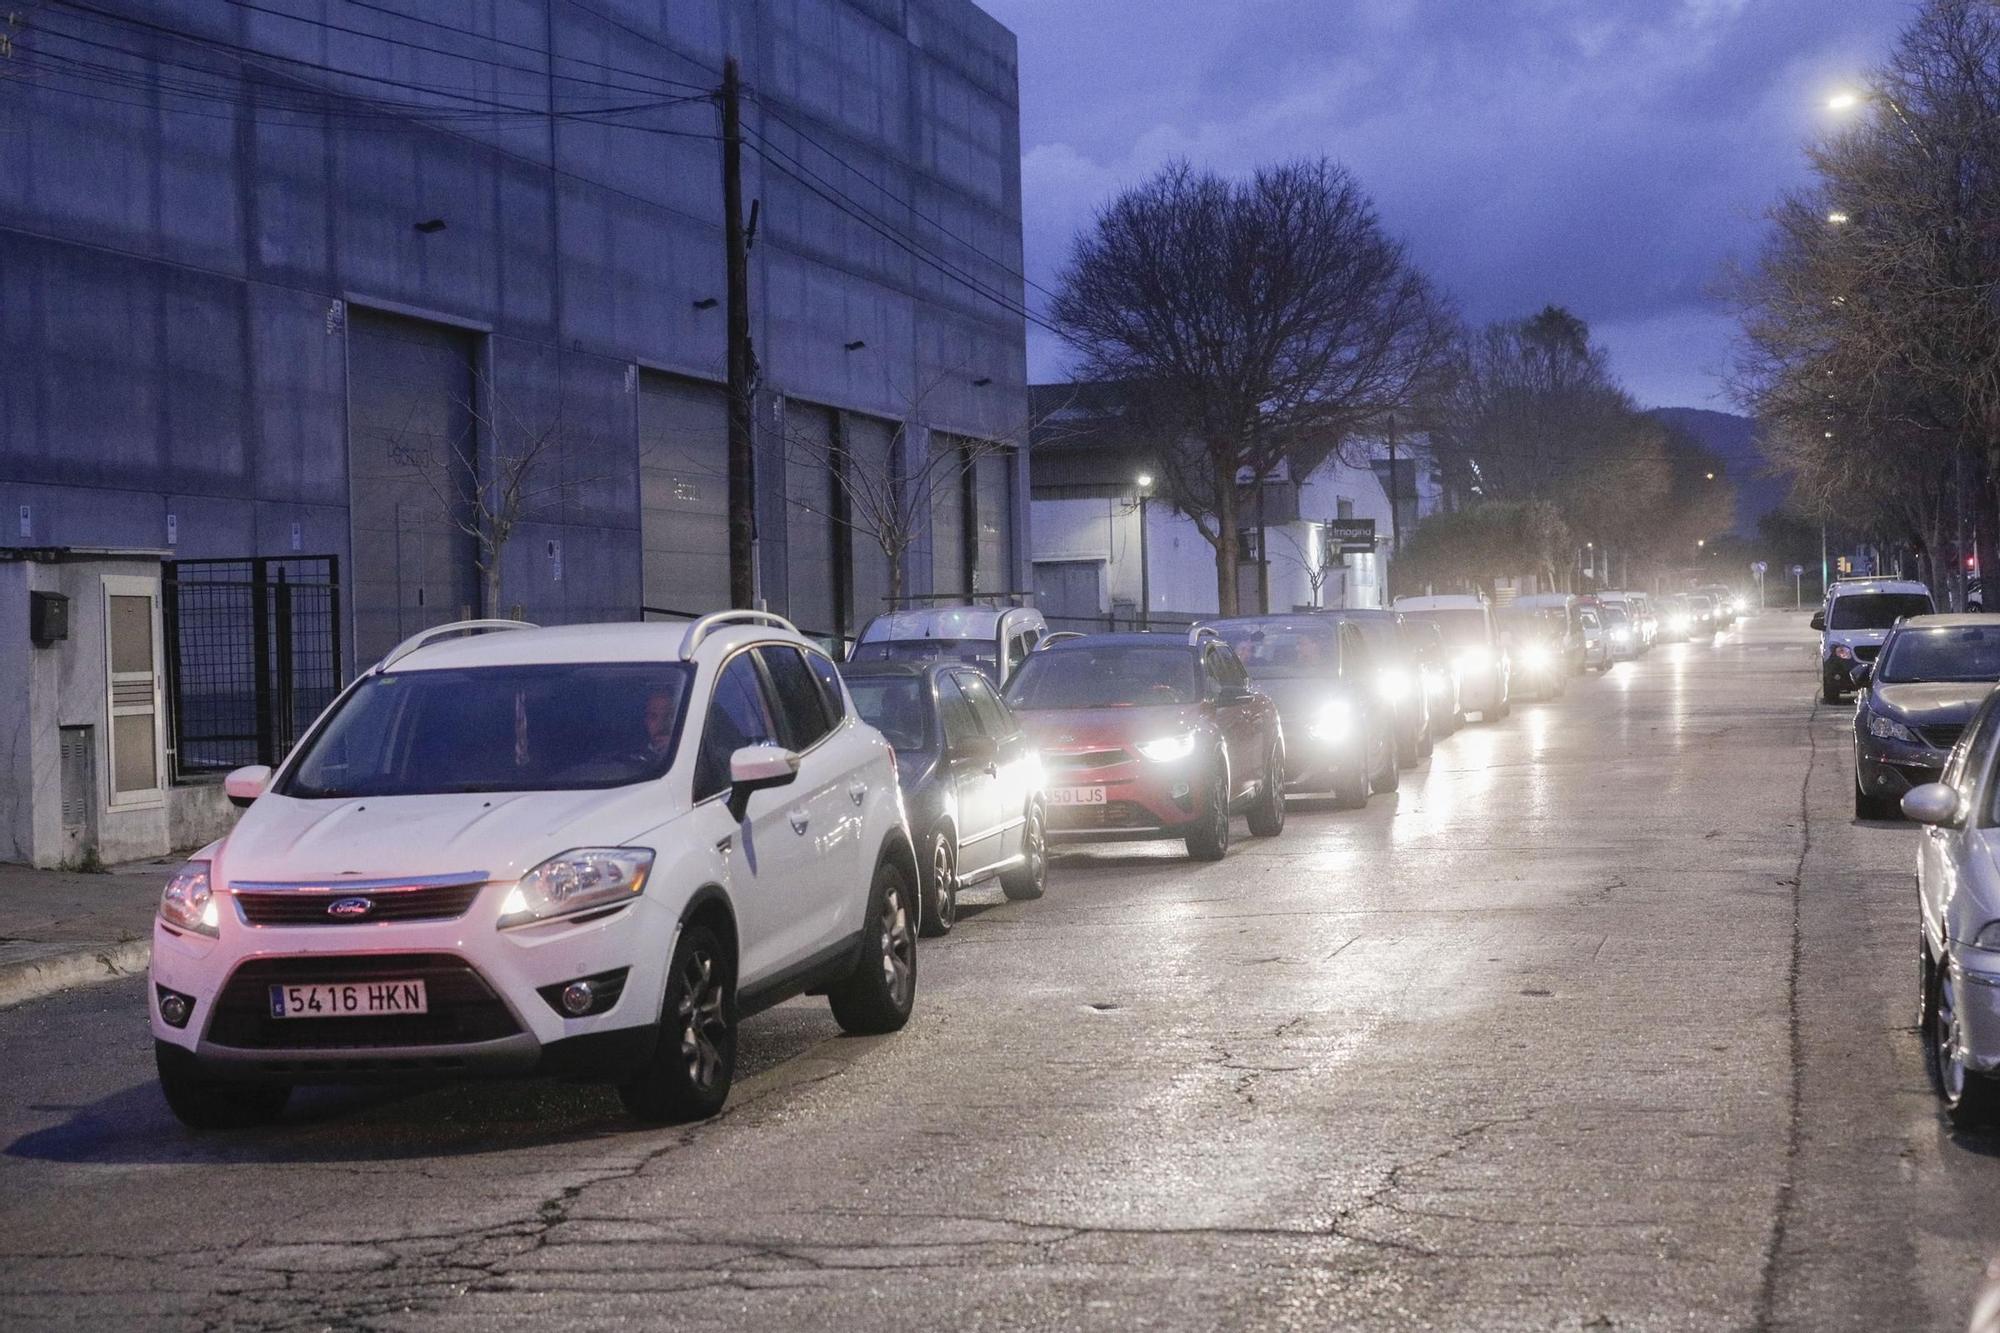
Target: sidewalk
x=62, y=929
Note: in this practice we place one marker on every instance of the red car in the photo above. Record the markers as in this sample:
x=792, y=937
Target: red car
x=1146, y=736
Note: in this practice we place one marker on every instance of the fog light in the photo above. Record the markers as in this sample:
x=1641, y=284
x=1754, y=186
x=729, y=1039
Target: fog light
x=175, y=1008
x=577, y=997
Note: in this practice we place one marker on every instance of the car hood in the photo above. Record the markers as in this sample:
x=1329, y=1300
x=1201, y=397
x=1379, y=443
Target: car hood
x=1850, y=637
x=283, y=840
x=1301, y=697
x=1107, y=728
x=1932, y=702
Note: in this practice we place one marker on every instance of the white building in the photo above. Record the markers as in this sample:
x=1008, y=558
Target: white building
x=1105, y=542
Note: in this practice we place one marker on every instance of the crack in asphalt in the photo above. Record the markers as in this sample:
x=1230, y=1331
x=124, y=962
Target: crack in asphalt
x=1781, y=1214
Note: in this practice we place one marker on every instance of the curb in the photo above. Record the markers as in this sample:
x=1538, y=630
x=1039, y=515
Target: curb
x=22, y=982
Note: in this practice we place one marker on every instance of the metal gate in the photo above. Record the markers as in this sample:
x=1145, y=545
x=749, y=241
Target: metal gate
x=253, y=655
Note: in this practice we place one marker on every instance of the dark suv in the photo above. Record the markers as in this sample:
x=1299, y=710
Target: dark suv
x=1151, y=736
x=1399, y=677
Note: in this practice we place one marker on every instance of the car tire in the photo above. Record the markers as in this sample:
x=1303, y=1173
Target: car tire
x=1829, y=691
x=1029, y=880
x=940, y=883
x=1391, y=776
x=1209, y=841
x=1971, y=1100
x=199, y=1100
x=1869, y=806
x=1267, y=816
x=1500, y=713
x=694, y=1060
x=1406, y=751
x=881, y=991
x=1351, y=788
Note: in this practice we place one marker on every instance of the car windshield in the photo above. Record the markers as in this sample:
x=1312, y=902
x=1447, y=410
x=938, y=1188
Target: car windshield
x=1107, y=677
x=1461, y=627
x=1875, y=610
x=559, y=727
x=896, y=706
x=1614, y=614
x=981, y=653
x=1283, y=649
x=1947, y=653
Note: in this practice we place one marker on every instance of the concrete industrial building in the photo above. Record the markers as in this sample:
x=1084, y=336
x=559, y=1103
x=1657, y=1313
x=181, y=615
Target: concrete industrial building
x=308, y=278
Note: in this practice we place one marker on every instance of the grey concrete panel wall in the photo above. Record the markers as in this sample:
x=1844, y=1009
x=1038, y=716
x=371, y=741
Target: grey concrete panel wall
x=176, y=276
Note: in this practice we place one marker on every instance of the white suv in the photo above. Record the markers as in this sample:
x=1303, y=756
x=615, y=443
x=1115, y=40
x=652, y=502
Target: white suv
x=1857, y=617
x=585, y=851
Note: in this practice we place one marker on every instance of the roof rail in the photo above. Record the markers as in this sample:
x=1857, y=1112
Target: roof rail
x=1200, y=632
x=1057, y=636
x=708, y=624
x=424, y=637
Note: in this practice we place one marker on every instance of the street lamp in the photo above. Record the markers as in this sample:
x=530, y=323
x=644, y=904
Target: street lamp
x=1145, y=482
x=1836, y=218
x=1843, y=101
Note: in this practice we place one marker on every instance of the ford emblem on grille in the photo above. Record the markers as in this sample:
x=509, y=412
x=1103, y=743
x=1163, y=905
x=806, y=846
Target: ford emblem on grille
x=350, y=907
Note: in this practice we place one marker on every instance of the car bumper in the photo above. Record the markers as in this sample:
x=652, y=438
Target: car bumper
x=1888, y=767
x=1315, y=763
x=1977, y=974
x=487, y=1011
x=1141, y=800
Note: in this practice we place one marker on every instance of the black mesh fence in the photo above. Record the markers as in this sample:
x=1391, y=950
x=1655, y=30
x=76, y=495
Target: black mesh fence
x=253, y=655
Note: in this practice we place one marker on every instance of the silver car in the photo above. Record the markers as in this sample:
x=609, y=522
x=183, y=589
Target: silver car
x=1958, y=900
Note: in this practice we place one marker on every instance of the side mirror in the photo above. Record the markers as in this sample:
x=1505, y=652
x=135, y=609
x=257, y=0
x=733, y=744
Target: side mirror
x=246, y=784
x=1932, y=803
x=1818, y=621
x=756, y=767
x=1862, y=671
x=975, y=750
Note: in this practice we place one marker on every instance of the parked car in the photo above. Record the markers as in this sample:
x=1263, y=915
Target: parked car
x=1958, y=901
x=995, y=639
x=1400, y=677
x=1537, y=650
x=1618, y=631
x=1570, y=634
x=972, y=788
x=1477, y=648
x=1340, y=732
x=1431, y=658
x=1856, y=618
x=1915, y=699
x=1596, y=640
x=518, y=853
x=1151, y=736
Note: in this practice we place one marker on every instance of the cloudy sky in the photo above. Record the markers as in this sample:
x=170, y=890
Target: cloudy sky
x=1606, y=155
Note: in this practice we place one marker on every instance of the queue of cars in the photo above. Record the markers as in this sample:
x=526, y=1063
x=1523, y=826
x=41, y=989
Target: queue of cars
x=590, y=851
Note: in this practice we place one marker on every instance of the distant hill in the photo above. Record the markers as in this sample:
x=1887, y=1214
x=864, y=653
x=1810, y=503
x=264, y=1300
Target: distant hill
x=1734, y=439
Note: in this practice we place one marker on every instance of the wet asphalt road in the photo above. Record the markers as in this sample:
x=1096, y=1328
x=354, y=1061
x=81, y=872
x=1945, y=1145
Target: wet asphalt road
x=1604, y=1021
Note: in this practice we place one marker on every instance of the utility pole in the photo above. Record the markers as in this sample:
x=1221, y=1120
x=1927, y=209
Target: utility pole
x=742, y=456
x=1395, y=518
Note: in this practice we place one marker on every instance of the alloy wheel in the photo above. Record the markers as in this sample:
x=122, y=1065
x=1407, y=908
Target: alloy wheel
x=704, y=1027
x=899, y=946
x=944, y=875
x=1034, y=846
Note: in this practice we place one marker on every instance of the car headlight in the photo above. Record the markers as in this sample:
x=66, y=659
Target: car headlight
x=1333, y=721
x=1537, y=655
x=1621, y=635
x=1678, y=623
x=1168, y=748
x=1886, y=728
x=576, y=881
x=1473, y=659
x=1988, y=936
x=1843, y=652
x=188, y=902
x=1393, y=684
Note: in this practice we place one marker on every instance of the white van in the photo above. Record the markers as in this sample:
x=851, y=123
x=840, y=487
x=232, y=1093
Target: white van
x=993, y=638
x=1478, y=653
x=1856, y=618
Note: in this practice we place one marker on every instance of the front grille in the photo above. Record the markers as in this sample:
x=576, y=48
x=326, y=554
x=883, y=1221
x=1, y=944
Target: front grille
x=1942, y=736
x=1867, y=652
x=463, y=1008
x=1110, y=815
x=308, y=906
x=1085, y=759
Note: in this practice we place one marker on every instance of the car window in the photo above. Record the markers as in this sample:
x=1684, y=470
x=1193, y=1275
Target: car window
x=1961, y=653
x=1229, y=667
x=1875, y=610
x=801, y=706
x=960, y=722
x=739, y=714
x=1353, y=653
x=1110, y=675
x=897, y=706
x=993, y=717
x=828, y=677
x=1287, y=648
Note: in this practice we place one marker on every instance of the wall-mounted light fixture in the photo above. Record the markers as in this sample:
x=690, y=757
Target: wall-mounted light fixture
x=706, y=303
x=856, y=345
x=429, y=225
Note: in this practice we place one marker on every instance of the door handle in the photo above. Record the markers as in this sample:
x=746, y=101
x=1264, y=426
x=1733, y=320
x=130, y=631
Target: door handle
x=800, y=819
x=857, y=792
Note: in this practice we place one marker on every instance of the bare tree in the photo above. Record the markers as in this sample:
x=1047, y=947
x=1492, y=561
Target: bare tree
x=1254, y=317
x=501, y=469
x=1317, y=558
